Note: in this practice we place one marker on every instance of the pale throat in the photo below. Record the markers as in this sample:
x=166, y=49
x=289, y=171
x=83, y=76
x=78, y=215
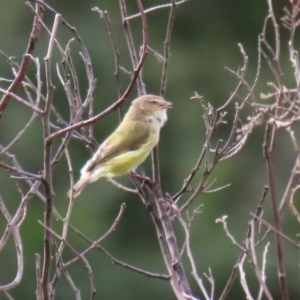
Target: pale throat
x=160, y=117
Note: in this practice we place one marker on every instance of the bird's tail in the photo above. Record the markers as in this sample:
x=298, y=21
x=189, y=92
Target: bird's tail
x=79, y=186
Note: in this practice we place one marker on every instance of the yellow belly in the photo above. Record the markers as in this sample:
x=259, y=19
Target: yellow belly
x=123, y=163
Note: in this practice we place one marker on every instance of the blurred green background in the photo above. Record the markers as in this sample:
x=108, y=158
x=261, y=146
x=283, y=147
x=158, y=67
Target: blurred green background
x=204, y=41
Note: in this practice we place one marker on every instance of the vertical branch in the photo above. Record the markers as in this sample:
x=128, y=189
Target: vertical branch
x=253, y=260
x=155, y=154
x=199, y=281
x=169, y=247
x=106, y=20
x=167, y=49
x=268, y=154
x=47, y=162
x=276, y=29
x=66, y=220
x=130, y=42
x=163, y=224
x=155, y=166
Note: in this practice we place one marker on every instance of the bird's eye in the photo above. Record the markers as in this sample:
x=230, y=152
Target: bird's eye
x=153, y=102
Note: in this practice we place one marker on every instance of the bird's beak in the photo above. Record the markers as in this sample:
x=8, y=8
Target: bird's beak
x=167, y=105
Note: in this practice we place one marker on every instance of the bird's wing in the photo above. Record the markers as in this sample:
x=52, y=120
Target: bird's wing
x=123, y=139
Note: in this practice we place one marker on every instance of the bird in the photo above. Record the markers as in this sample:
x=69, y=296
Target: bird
x=129, y=145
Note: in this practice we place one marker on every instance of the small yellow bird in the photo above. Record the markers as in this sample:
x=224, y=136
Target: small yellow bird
x=129, y=145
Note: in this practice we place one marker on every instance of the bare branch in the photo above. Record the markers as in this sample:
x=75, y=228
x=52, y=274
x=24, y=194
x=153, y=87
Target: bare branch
x=34, y=36
x=155, y=8
x=47, y=163
x=167, y=42
x=192, y=261
x=268, y=154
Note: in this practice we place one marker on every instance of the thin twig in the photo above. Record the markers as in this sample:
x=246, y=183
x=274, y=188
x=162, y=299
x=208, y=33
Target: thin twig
x=192, y=260
x=130, y=42
x=292, y=184
x=234, y=272
x=95, y=244
x=285, y=237
x=276, y=29
x=81, y=257
x=22, y=101
x=34, y=36
x=154, y=8
x=163, y=85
